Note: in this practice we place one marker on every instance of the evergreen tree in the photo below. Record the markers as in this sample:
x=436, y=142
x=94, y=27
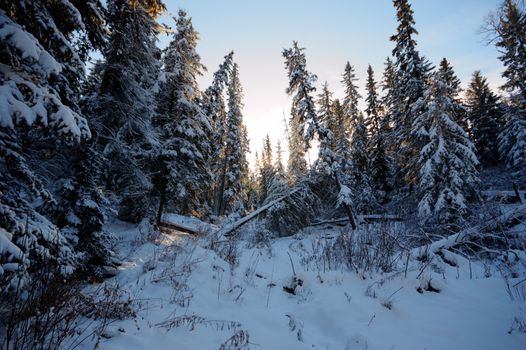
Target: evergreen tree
x=278, y=165
x=340, y=130
x=41, y=70
x=453, y=82
x=266, y=170
x=185, y=129
x=391, y=106
x=485, y=118
x=512, y=139
x=300, y=86
x=361, y=189
x=447, y=161
x=411, y=70
x=296, y=165
x=325, y=112
x=391, y=102
x=278, y=185
x=357, y=165
x=120, y=104
x=81, y=213
x=350, y=101
x=214, y=107
x=235, y=166
x=510, y=29
x=378, y=130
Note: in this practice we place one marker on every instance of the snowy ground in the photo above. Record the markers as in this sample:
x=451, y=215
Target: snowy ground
x=190, y=298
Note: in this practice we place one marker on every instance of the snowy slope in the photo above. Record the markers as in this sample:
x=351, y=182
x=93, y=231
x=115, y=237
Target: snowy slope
x=178, y=276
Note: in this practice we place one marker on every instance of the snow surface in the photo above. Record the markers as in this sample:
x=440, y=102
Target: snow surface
x=178, y=275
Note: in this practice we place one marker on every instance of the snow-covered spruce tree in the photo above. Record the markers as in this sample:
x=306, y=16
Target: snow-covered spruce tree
x=120, y=104
x=266, y=170
x=296, y=164
x=278, y=183
x=69, y=31
x=510, y=38
x=379, y=167
x=325, y=112
x=214, y=107
x=510, y=29
x=512, y=139
x=352, y=96
x=184, y=127
x=234, y=169
x=252, y=191
x=278, y=164
x=37, y=94
x=390, y=94
x=361, y=189
x=341, y=133
x=447, y=161
x=301, y=87
x=245, y=168
x=453, y=82
x=412, y=71
x=391, y=106
x=81, y=212
x=278, y=187
x=213, y=98
x=357, y=165
x=485, y=117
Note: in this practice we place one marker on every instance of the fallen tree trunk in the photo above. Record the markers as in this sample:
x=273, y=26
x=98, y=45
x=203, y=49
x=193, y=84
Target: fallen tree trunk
x=164, y=225
x=185, y=224
x=227, y=231
x=505, y=197
x=361, y=218
x=509, y=218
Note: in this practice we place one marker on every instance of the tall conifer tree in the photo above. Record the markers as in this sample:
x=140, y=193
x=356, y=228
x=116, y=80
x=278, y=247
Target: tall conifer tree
x=411, y=70
x=185, y=128
x=378, y=130
x=447, y=161
x=485, y=117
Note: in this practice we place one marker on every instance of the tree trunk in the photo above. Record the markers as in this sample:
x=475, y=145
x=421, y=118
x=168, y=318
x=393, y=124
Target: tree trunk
x=163, y=183
x=227, y=232
x=219, y=203
x=517, y=194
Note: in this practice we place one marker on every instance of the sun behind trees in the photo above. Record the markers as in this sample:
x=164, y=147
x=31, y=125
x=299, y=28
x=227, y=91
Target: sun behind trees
x=134, y=136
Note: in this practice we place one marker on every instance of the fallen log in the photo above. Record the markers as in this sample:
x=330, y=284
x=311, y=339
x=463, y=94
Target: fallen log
x=361, y=218
x=508, y=218
x=180, y=228
x=228, y=230
x=505, y=197
x=185, y=224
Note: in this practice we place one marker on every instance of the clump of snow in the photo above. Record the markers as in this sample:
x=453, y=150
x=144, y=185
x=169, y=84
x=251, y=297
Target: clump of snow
x=41, y=106
x=8, y=252
x=14, y=35
x=345, y=196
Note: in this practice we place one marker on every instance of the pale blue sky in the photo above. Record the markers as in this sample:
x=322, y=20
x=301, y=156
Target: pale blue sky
x=332, y=31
